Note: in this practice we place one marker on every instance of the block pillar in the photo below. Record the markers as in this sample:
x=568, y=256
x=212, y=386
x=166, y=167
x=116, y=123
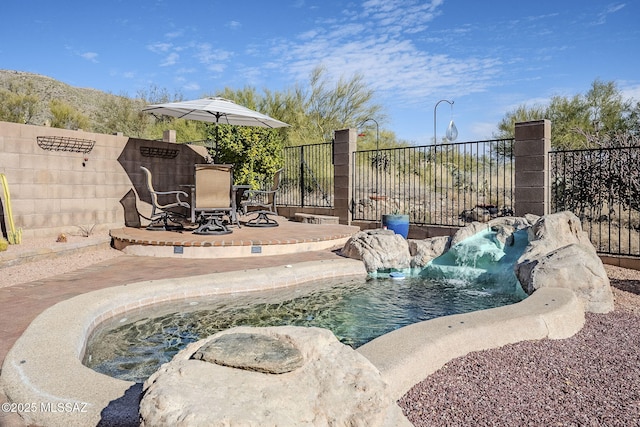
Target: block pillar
x=344, y=144
x=531, y=153
x=169, y=136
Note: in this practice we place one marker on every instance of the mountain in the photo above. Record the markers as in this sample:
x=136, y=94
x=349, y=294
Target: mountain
x=86, y=101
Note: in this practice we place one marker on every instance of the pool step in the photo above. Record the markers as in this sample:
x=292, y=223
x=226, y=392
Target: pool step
x=316, y=219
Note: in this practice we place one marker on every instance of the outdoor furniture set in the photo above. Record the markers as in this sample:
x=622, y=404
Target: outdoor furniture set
x=215, y=202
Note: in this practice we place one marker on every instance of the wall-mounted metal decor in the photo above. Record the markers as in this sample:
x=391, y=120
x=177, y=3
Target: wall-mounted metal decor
x=63, y=143
x=164, y=153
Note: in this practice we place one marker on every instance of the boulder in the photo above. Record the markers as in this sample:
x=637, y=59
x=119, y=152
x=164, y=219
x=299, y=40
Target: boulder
x=551, y=232
x=378, y=249
x=576, y=267
x=560, y=254
x=423, y=251
x=509, y=223
x=226, y=380
x=253, y=352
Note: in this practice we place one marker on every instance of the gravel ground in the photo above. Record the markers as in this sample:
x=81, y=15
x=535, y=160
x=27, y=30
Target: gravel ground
x=37, y=270
x=590, y=379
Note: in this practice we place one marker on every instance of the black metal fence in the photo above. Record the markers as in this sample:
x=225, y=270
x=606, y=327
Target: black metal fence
x=447, y=184
x=602, y=187
x=308, y=176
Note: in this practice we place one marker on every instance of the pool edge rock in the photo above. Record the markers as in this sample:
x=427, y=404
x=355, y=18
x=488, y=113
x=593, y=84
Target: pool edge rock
x=332, y=385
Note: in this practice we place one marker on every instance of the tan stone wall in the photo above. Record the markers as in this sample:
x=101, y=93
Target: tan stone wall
x=58, y=191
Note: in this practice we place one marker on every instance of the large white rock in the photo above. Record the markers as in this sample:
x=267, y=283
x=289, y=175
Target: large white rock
x=332, y=385
x=378, y=249
x=575, y=267
x=423, y=251
x=553, y=231
x=561, y=255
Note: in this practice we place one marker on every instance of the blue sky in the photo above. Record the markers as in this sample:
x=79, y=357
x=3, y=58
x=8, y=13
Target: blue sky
x=486, y=56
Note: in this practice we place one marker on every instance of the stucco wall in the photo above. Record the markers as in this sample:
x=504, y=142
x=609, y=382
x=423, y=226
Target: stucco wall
x=58, y=191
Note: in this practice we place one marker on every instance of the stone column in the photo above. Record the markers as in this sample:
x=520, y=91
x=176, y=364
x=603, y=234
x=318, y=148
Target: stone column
x=169, y=136
x=532, y=146
x=344, y=144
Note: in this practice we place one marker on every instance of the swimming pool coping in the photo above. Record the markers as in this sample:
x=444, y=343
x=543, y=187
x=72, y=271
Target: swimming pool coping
x=44, y=367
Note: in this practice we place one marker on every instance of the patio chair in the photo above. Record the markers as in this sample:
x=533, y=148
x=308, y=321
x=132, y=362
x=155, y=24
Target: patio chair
x=161, y=215
x=214, y=198
x=265, y=201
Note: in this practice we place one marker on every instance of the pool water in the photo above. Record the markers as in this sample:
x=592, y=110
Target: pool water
x=355, y=310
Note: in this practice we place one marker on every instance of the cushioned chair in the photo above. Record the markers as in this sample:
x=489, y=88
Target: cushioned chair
x=161, y=215
x=214, y=198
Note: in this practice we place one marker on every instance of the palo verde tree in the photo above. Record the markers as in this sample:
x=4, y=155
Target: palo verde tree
x=122, y=114
x=67, y=117
x=601, y=110
x=18, y=103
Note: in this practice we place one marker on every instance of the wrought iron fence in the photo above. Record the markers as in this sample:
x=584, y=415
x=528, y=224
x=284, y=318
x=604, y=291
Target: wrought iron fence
x=602, y=187
x=308, y=176
x=447, y=184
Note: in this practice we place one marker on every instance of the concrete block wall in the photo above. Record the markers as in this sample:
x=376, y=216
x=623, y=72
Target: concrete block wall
x=56, y=192
x=531, y=152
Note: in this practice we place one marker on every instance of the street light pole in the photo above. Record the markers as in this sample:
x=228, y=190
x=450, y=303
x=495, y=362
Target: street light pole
x=377, y=131
x=377, y=159
x=435, y=141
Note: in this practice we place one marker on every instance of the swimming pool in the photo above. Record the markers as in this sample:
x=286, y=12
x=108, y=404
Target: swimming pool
x=355, y=310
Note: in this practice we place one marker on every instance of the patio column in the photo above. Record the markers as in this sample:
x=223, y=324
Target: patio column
x=344, y=144
x=169, y=136
x=532, y=146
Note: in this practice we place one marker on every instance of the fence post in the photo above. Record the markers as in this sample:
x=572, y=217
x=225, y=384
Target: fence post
x=532, y=145
x=344, y=144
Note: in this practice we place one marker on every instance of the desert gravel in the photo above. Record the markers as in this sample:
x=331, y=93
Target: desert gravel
x=54, y=264
x=590, y=379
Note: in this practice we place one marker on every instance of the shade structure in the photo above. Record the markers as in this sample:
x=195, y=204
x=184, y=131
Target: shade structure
x=214, y=110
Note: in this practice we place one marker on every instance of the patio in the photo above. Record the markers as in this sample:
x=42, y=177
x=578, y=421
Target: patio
x=289, y=237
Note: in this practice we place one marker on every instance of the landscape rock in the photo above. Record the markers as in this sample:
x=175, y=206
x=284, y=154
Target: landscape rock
x=378, y=249
x=558, y=254
x=553, y=231
x=576, y=267
x=335, y=385
x=423, y=251
x=253, y=352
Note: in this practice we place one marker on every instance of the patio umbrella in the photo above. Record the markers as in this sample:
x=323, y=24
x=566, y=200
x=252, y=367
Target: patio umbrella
x=215, y=110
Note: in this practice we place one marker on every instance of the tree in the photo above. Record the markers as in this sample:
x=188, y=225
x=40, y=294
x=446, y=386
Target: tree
x=18, y=103
x=67, y=117
x=345, y=104
x=601, y=110
x=255, y=152
x=522, y=113
x=122, y=114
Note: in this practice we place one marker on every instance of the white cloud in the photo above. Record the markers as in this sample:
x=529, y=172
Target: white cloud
x=90, y=56
x=191, y=86
x=378, y=46
x=207, y=54
x=170, y=59
x=630, y=91
x=611, y=9
x=159, y=47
